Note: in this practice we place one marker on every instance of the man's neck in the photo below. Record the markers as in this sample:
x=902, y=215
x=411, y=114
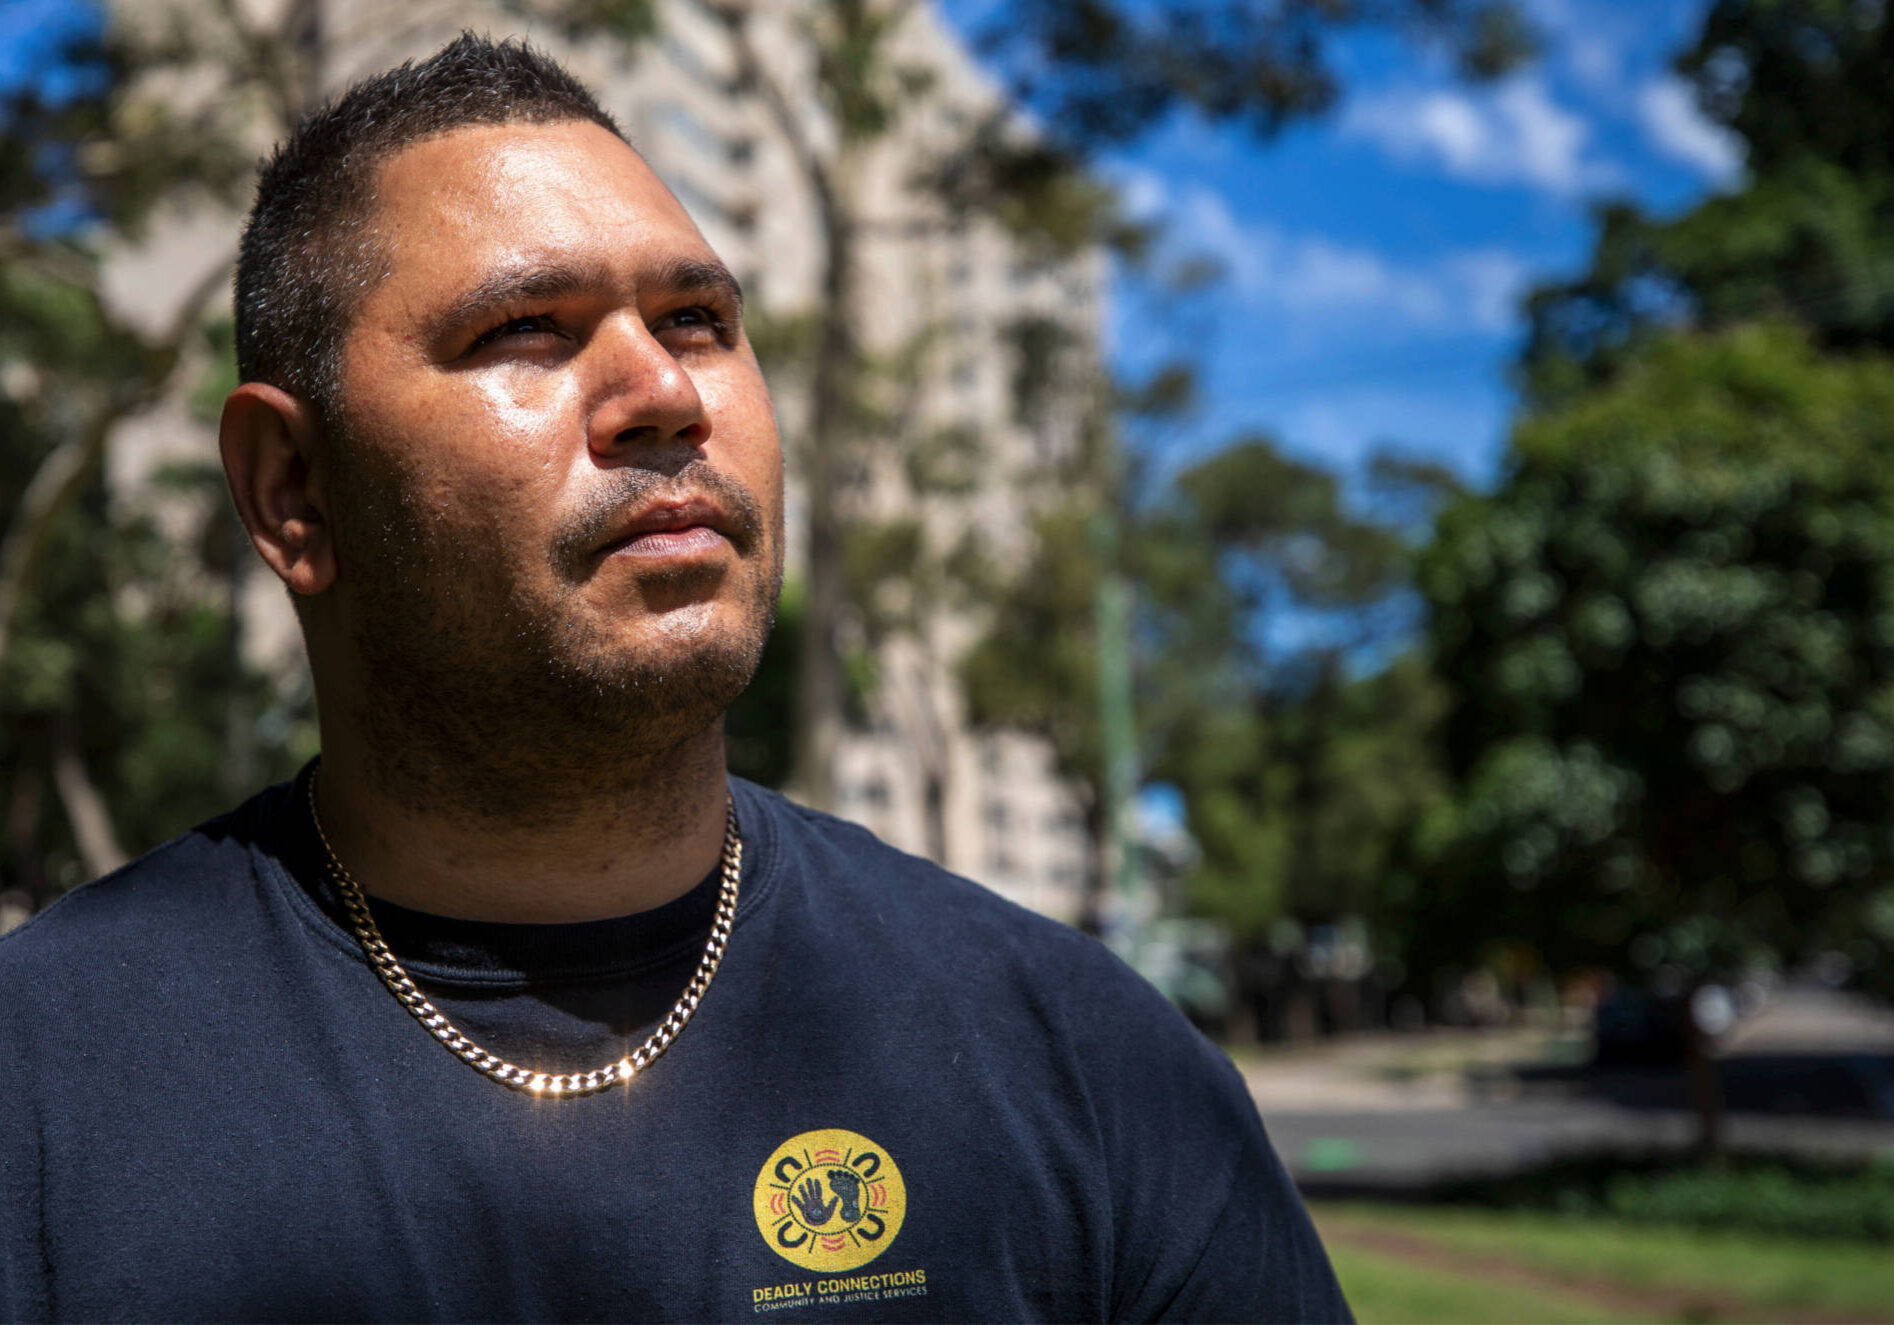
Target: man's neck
x=616, y=842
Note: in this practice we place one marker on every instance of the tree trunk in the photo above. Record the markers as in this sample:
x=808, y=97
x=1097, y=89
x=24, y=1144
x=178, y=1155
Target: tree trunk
x=1091, y=918
x=931, y=751
x=1300, y=1022
x=1306, y=756
x=1706, y=1086
x=55, y=485
x=70, y=466
x=821, y=689
x=25, y=859
x=820, y=707
x=86, y=810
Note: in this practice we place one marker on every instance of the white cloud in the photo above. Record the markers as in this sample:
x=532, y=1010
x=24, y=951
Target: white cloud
x=1314, y=273
x=1668, y=111
x=1203, y=224
x=1492, y=281
x=1314, y=276
x=1589, y=39
x=1142, y=193
x=1598, y=61
x=1513, y=133
x=1343, y=426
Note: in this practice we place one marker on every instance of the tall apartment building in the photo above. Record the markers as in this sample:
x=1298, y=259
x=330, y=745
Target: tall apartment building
x=936, y=294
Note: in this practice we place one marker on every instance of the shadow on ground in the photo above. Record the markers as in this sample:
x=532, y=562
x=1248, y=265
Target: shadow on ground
x=1834, y=1085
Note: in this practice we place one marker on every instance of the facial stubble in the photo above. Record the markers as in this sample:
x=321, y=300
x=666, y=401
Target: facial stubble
x=491, y=695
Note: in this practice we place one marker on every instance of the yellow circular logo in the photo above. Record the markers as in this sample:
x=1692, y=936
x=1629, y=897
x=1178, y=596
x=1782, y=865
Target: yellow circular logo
x=830, y=1200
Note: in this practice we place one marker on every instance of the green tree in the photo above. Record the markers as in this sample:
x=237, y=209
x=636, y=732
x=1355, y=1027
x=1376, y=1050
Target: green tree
x=1275, y=750
x=1699, y=814
x=126, y=708
x=1099, y=73
x=1299, y=772
x=1669, y=634
x=1807, y=238
x=121, y=711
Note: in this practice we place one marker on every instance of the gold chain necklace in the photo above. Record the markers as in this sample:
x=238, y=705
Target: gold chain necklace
x=496, y=1068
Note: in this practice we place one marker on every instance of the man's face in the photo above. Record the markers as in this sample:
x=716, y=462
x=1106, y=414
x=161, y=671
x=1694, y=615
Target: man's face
x=556, y=481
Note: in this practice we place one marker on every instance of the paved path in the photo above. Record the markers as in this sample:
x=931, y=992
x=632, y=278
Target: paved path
x=1409, y=1150
x=1398, y=1112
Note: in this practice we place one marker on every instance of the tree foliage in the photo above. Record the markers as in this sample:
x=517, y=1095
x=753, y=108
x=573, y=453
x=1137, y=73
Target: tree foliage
x=1104, y=71
x=1808, y=238
x=1284, y=760
x=1669, y=635
x=114, y=623
x=1667, y=632
x=125, y=711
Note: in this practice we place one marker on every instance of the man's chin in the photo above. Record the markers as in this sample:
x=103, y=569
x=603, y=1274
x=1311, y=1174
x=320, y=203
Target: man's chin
x=522, y=742
x=685, y=626
x=522, y=703
x=679, y=678
x=710, y=643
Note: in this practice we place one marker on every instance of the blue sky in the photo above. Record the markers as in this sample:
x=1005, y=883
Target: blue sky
x=1374, y=260
x=30, y=34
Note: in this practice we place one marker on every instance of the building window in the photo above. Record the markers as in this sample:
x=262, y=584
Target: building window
x=695, y=134
x=990, y=760
x=703, y=208
x=687, y=59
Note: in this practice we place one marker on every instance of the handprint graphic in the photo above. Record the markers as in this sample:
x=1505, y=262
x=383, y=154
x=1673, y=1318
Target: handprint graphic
x=809, y=1204
x=830, y=1200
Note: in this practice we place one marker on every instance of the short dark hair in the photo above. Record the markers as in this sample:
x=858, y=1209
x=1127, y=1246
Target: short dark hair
x=308, y=255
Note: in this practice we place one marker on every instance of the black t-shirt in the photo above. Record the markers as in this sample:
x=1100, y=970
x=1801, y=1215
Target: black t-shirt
x=903, y=1098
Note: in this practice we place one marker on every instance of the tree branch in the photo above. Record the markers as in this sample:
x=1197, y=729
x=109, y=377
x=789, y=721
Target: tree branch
x=736, y=19
x=264, y=57
x=86, y=810
x=63, y=474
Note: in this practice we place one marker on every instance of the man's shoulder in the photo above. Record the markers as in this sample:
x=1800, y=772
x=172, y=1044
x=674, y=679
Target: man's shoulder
x=851, y=867
x=956, y=938
x=154, y=901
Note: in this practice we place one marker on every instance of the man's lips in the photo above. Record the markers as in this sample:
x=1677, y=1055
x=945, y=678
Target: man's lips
x=671, y=529
x=660, y=520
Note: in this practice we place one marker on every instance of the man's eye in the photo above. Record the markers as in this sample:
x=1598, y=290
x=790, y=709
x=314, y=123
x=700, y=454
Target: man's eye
x=536, y=324
x=693, y=319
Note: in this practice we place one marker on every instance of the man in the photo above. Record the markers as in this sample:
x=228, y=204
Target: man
x=514, y=1005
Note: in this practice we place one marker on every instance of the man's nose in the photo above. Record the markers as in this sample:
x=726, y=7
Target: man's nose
x=642, y=394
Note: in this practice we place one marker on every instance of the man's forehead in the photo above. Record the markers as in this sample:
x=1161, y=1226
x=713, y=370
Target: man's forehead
x=461, y=207
x=474, y=178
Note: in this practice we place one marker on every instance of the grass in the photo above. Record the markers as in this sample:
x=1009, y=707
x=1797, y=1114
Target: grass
x=1386, y=1291
x=1443, y=1263
x=1758, y=1194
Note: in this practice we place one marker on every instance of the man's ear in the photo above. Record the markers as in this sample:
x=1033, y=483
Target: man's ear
x=266, y=440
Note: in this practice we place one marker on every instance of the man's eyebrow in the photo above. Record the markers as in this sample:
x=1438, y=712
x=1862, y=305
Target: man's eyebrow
x=515, y=284
x=694, y=275
x=527, y=281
